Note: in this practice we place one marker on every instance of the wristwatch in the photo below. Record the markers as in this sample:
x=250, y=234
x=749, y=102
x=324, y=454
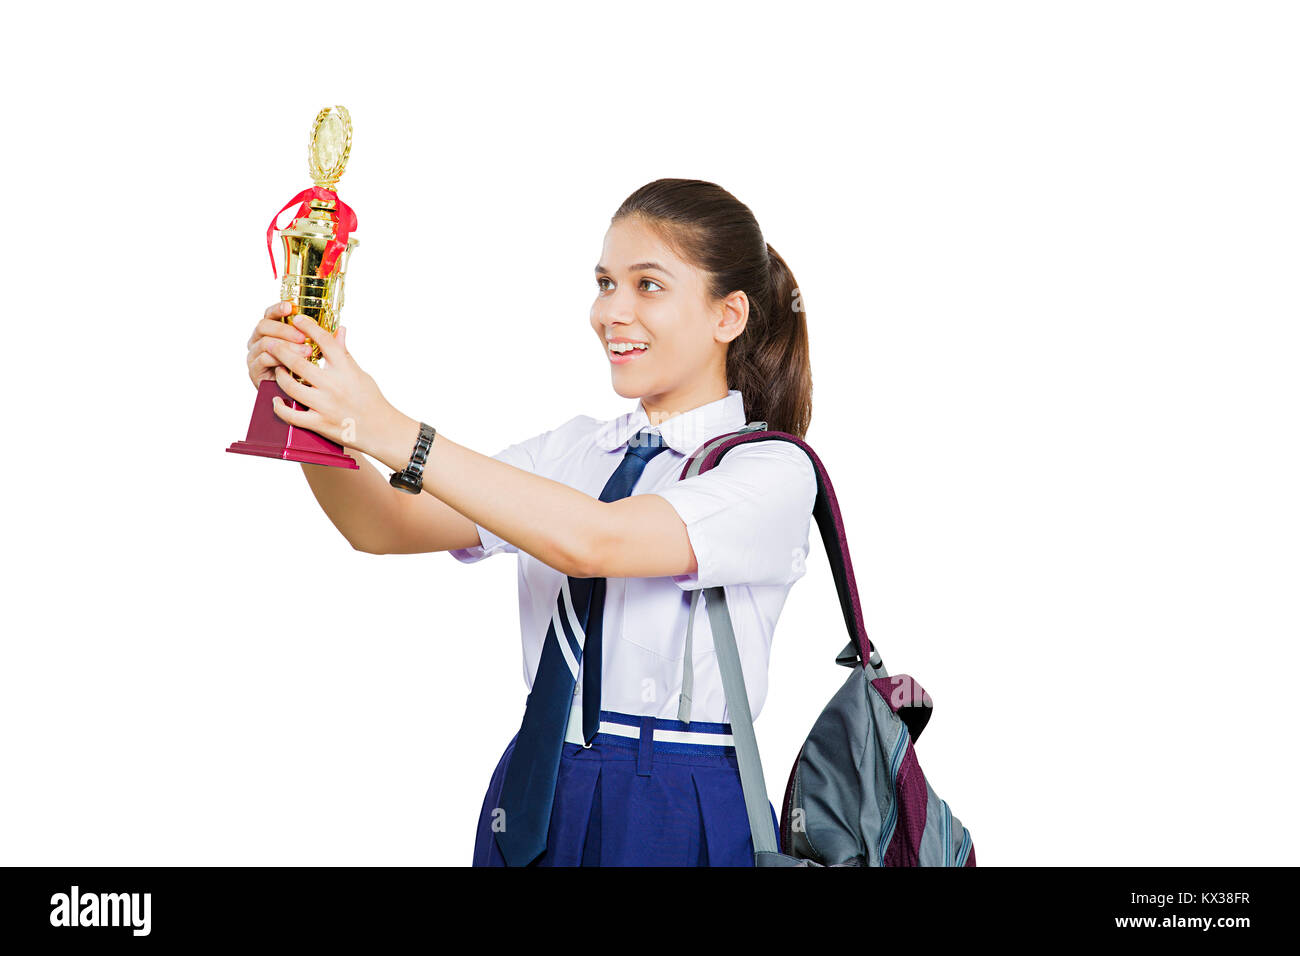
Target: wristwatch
x=411, y=478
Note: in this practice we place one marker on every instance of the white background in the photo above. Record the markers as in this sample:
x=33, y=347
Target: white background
x=1049, y=256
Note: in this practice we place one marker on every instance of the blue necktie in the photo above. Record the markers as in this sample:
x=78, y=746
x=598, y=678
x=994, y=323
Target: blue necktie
x=528, y=790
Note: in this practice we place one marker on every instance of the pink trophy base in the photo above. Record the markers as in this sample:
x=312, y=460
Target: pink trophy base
x=270, y=436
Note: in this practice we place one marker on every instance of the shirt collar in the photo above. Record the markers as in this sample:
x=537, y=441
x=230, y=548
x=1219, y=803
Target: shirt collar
x=682, y=433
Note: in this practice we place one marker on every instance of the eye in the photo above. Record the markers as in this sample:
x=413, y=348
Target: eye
x=599, y=280
x=652, y=282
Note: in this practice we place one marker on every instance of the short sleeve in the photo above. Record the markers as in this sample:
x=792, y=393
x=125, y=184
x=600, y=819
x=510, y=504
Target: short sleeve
x=521, y=455
x=748, y=517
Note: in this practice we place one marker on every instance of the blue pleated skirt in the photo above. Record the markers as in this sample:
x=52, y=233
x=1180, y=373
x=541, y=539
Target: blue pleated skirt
x=637, y=801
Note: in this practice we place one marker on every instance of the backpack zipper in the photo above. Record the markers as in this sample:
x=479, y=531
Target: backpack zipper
x=895, y=762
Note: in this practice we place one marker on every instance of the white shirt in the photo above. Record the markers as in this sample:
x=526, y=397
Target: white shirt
x=747, y=519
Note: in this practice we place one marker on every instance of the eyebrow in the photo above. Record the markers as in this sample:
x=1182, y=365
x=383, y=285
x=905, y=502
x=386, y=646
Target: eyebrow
x=640, y=265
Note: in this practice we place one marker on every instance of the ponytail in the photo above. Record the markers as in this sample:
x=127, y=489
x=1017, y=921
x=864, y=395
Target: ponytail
x=772, y=368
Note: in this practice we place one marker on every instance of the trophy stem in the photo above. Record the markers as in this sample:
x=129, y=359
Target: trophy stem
x=270, y=436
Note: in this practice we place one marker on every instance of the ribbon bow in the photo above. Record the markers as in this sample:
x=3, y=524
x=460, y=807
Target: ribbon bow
x=347, y=223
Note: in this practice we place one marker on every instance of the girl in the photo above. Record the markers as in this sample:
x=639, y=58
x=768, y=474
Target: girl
x=701, y=322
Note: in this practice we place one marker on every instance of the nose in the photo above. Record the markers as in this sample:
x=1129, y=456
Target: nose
x=609, y=313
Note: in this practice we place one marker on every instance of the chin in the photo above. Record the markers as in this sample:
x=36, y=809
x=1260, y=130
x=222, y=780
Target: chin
x=627, y=389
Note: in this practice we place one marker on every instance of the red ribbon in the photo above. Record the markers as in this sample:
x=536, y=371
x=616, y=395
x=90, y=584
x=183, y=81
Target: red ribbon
x=347, y=223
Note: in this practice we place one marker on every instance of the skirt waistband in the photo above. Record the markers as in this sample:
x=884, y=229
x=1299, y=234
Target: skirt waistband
x=663, y=734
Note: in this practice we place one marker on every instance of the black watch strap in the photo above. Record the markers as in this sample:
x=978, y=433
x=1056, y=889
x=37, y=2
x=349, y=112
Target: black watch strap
x=411, y=478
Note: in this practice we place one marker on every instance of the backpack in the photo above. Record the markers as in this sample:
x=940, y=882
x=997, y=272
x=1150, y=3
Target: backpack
x=856, y=795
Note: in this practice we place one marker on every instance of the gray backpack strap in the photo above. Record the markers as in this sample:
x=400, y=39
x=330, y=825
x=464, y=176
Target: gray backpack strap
x=733, y=687
x=688, y=664
x=742, y=722
x=688, y=656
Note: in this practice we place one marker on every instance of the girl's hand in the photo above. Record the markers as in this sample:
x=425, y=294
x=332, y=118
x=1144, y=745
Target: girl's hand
x=343, y=403
x=261, y=362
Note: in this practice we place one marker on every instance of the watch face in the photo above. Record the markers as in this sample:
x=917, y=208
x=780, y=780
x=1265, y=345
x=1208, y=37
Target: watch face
x=404, y=482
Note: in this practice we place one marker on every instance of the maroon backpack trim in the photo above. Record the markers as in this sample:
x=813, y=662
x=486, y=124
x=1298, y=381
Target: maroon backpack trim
x=826, y=511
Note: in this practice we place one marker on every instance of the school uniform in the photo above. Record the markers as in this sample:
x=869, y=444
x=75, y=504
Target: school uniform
x=636, y=786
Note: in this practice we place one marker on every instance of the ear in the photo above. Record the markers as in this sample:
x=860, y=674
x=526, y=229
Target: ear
x=732, y=316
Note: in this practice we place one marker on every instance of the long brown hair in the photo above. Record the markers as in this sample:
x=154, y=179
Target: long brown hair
x=714, y=231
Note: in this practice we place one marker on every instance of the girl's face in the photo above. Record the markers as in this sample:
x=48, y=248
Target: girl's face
x=657, y=306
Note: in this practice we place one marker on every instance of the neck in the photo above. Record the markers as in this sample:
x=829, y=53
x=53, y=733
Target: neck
x=665, y=405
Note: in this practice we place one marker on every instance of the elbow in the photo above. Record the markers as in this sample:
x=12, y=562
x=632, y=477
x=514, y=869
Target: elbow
x=365, y=547
x=584, y=558
x=581, y=549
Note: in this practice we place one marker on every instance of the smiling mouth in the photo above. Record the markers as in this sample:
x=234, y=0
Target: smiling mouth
x=622, y=352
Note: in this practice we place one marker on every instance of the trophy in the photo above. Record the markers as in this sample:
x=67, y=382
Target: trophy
x=316, y=250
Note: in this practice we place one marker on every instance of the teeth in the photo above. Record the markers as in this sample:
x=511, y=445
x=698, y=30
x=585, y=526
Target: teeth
x=621, y=347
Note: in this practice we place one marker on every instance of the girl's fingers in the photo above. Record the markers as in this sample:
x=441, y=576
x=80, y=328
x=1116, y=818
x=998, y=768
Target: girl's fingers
x=277, y=310
x=283, y=329
x=293, y=357
x=261, y=361
x=325, y=340
x=270, y=324
x=294, y=416
x=264, y=346
x=290, y=385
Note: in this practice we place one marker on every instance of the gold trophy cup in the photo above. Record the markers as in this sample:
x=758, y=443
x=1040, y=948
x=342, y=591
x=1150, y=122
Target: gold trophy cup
x=317, y=247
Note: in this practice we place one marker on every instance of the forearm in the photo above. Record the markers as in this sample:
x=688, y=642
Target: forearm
x=555, y=523
x=360, y=503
